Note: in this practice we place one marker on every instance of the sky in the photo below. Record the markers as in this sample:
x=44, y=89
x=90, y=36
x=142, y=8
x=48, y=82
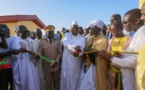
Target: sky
x=61, y=13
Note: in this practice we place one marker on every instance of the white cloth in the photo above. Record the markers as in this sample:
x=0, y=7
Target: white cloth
x=74, y=23
x=71, y=65
x=98, y=23
x=87, y=80
x=36, y=45
x=24, y=72
x=87, y=36
x=128, y=62
x=40, y=70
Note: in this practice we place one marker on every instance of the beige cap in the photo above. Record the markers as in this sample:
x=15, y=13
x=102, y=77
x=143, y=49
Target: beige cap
x=49, y=28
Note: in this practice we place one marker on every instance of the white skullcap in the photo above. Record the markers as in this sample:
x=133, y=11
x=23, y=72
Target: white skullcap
x=88, y=26
x=74, y=23
x=92, y=23
x=98, y=23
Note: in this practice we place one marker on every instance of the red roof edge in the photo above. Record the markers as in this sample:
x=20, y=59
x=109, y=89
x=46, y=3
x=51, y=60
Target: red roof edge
x=16, y=18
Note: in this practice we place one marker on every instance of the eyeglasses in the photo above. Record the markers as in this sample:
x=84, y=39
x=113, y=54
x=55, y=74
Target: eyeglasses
x=125, y=22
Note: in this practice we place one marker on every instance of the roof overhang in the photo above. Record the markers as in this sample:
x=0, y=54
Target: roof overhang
x=16, y=18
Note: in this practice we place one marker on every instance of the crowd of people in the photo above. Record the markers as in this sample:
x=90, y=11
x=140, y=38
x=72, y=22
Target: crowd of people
x=99, y=57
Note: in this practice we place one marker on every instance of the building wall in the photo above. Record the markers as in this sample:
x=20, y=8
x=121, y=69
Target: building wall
x=29, y=24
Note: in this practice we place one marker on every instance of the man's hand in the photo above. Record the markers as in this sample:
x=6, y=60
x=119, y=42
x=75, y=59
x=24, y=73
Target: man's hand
x=37, y=56
x=75, y=54
x=23, y=50
x=30, y=52
x=78, y=48
x=15, y=52
x=54, y=64
x=96, y=52
x=117, y=54
x=104, y=54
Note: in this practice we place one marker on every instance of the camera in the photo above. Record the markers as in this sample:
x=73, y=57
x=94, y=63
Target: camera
x=2, y=31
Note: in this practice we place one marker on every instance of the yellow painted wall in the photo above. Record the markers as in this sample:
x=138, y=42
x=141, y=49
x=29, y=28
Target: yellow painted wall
x=140, y=3
x=29, y=24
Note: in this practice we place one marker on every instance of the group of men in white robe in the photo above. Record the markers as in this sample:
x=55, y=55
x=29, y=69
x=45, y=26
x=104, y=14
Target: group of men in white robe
x=127, y=63
x=75, y=75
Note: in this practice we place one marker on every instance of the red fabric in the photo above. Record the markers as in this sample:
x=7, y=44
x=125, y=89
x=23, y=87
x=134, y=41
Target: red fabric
x=5, y=66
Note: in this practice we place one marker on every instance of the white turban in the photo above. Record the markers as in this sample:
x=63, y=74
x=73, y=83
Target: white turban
x=98, y=23
x=74, y=23
x=88, y=26
x=92, y=23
